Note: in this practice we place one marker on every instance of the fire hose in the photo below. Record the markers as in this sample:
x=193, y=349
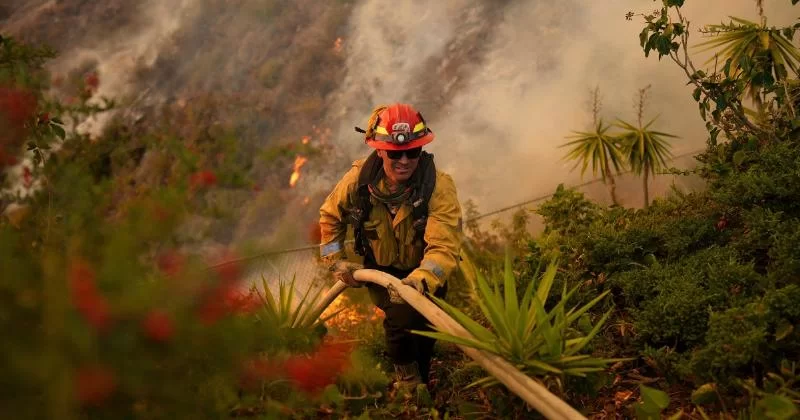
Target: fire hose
x=532, y=392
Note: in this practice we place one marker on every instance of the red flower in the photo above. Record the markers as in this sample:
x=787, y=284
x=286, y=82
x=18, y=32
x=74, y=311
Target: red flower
x=243, y=303
x=44, y=118
x=211, y=310
x=87, y=299
x=313, y=373
x=722, y=223
x=97, y=313
x=158, y=326
x=202, y=179
x=81, y=279
x=94, y=385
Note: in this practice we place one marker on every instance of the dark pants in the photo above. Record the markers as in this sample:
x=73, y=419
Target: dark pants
x=403, y=346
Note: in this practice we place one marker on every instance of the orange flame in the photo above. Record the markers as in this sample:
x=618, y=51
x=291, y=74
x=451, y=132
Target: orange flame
x=299, y=161
x=337, y=45
x=306, y=139
x=351, y=314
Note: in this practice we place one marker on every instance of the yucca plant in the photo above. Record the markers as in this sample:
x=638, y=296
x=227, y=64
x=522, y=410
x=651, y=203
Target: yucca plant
x=538, y=341
x=763, y=54
x=282, y=312
x=599, y=149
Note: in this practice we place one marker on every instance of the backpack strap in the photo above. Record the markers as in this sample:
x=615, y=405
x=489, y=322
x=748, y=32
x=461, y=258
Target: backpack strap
x=363, y=206
x=423, y=191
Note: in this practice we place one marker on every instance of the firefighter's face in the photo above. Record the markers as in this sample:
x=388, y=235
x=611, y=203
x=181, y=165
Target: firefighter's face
x=399, y=170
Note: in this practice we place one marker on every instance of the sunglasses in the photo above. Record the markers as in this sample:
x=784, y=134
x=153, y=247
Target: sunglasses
x=398, y=154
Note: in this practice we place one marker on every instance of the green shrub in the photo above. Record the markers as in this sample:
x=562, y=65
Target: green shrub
x=670, y=303
x=754, y=336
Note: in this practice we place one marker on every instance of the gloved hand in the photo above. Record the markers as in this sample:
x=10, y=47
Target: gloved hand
x=417, y=284
x=343, y=271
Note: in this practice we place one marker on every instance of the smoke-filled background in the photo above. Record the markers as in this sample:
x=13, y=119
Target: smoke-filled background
x=501, y=83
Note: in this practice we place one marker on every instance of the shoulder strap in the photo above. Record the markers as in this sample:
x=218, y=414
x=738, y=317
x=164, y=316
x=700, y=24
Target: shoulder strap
x=423, y=191
x=363, y=206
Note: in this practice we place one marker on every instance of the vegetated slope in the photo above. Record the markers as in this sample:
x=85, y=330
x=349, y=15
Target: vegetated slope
x=280, y=80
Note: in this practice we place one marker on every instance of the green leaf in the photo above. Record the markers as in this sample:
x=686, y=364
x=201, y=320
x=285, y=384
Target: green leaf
x=443, y=336
x=696, y=93
x=705, y=394
x=654, y=396
x=536, y=364
x=477, y=330
x=777, y=407
x=674, y=3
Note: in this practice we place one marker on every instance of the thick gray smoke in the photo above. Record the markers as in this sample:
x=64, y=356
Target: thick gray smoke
x=501, y=82
x=498, y=135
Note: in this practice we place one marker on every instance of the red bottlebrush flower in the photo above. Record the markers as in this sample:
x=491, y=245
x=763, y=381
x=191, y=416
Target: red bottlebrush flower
x=27, y=177
x=313, y=373
x=202, y=179
x=211, y=310
x=92, y=81
x=243, y=303
x=87, y=299
x=171, y=263
x=94, y=385
x=158, y=326
x=97, y=313
x=81, y=279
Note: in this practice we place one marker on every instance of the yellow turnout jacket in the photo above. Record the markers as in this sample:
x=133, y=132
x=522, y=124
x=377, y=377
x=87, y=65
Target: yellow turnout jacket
x=393, y=239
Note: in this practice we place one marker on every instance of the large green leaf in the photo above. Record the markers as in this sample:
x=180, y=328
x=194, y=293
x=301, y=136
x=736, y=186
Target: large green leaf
x=470, y=325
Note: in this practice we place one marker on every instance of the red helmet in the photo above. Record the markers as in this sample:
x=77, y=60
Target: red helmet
x=397, y=127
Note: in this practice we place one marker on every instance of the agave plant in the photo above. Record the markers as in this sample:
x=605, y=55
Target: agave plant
x=537, y=341
x=283, y=313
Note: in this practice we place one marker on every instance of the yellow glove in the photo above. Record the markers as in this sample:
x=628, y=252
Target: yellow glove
x=343, y=271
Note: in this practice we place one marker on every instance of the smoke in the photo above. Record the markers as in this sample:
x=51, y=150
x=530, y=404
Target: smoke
x=498, y=135
x=501, y=83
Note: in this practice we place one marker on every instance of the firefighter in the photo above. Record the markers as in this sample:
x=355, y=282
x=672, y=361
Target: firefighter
x=406, y=220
